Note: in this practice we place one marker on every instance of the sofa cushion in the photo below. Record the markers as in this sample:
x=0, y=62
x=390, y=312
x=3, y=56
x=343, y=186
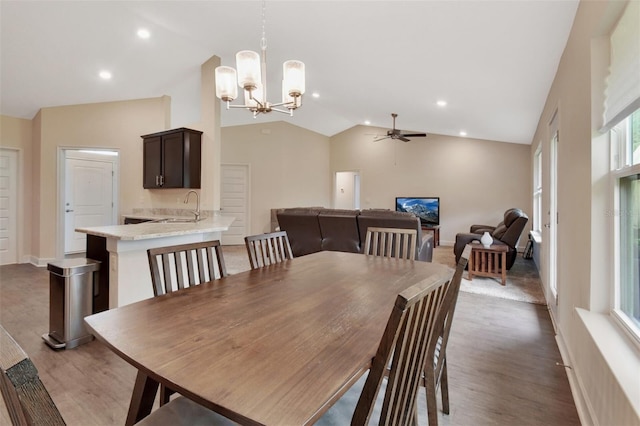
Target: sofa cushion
x=339, y=230
x=499, y=231
x=389, y=220
x=302, y=229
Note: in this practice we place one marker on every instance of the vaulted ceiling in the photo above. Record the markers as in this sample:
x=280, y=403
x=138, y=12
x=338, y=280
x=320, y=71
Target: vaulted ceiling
x=491, y=61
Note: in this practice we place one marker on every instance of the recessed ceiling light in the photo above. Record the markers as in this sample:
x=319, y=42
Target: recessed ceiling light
x=105, y=75
x=315, y=94
x=144, y=33
x=367, y=122
x=463, y=133
x=441, y=103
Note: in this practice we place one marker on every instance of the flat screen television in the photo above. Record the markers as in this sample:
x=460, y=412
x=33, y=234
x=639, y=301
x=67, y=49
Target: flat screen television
x=426, y=208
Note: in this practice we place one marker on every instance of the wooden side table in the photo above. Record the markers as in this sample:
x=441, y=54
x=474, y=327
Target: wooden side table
x=488, y=261
x=436, y=233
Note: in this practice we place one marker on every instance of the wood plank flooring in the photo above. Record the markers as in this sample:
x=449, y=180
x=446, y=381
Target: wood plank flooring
x=501, y=358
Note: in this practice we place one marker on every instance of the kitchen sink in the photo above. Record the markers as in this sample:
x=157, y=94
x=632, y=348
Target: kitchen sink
x=173, y=220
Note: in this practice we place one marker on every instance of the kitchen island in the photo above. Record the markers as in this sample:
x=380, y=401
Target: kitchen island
x=122, y=249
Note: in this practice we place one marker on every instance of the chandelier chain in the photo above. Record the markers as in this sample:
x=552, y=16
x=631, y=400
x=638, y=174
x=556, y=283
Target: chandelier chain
x=263, y=41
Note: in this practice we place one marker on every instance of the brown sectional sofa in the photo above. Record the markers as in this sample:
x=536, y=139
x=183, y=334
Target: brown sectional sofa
x=313, y=229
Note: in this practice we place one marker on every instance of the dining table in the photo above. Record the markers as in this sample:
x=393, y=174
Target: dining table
x=277, y=345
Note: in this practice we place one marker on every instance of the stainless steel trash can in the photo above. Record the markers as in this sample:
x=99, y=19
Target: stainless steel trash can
x=71, y=289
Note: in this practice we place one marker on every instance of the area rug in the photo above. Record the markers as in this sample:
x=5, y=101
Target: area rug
x=523, y=281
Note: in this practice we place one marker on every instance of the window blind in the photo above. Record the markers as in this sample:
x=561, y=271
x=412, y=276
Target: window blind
x=622, y=95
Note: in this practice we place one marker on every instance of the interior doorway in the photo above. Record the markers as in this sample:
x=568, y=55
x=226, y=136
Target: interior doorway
x=88, y=195
x=347, y=190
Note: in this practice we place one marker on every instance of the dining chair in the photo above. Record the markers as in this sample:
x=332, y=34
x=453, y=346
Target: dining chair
x=25, y=396
x=391, y=242
x=177, y=267
x=29, y=403
x=435, y=373
x=267, y=249
x=411, y=354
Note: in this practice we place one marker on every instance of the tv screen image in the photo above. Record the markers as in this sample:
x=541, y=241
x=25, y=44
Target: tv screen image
x=426, y=208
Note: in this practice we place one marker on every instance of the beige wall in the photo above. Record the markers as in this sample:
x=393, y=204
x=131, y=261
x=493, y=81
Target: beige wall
x=289, y=167
x=476, y=180
x=16, y=133
x=585, y=330
x=113, y=125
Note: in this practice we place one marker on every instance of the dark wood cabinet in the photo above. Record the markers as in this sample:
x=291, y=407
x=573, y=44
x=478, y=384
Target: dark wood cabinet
x=172, y=159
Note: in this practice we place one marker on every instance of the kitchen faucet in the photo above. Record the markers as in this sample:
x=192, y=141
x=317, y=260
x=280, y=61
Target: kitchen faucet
x=196, y=212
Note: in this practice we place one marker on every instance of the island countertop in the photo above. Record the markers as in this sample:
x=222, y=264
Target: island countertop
x=149, y=230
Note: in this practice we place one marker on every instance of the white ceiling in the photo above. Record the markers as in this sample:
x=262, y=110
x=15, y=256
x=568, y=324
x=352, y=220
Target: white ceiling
x=492, y=61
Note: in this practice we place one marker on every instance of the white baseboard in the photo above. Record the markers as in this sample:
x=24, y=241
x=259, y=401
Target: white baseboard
x=39, y=262
x=577, y=390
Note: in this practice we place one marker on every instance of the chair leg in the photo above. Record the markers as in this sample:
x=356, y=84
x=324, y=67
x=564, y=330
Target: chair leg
x=432, y=403
x=444, y=387
x=165, y=395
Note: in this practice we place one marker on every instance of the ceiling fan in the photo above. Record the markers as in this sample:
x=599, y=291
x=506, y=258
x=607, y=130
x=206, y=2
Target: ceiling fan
x=397, y=134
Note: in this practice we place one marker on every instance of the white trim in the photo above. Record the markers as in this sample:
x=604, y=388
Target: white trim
x=620, y=355
x=39, y=262
x=536, y=236
x=586, y=413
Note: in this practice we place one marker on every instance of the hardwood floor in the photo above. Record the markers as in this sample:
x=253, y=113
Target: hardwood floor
x=501, y=358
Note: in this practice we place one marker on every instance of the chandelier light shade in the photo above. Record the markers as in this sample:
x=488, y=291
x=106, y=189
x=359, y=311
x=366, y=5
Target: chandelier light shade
x=226, y=80
x=248, y=63
x=293, y=72
x=251, y=77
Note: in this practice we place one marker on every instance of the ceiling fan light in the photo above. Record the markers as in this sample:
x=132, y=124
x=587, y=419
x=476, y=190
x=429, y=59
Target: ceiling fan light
x=248, y=64
x=226, y=88
x=294, y=79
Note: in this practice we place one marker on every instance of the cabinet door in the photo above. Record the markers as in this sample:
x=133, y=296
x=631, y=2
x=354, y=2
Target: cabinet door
x=173, y=161
x=152, y=162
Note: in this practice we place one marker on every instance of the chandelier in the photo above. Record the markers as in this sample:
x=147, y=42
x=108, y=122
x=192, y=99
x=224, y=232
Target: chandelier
x=252, y=77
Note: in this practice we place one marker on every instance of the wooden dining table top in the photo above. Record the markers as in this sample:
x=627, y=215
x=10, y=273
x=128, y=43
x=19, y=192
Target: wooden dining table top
x=274, y=346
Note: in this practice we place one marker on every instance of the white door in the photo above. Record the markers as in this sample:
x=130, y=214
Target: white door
x=234, y=202
x=8, y=206
x=88, y=199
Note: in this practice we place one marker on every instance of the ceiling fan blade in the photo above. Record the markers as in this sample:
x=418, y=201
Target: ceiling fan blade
x=403, y=139
x=414, y=135
x=380, y=139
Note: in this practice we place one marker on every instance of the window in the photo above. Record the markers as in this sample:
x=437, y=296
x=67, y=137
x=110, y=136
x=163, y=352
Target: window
x=622, y=120
x=625, y=139
x=537, y=191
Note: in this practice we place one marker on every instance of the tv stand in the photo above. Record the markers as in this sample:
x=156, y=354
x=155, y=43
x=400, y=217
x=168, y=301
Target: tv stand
x=436, y=233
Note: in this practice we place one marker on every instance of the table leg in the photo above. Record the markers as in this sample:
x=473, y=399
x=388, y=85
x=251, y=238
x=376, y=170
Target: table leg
x=144, y=393
x=504, y=268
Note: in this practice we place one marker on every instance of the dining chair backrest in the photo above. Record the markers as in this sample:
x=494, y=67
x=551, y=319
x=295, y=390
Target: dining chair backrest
x=180, y=266
x=177, y=267
x=435, y=372
x=401, y=356
x=25, y=396
x=391, y=242
x=267, y=249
